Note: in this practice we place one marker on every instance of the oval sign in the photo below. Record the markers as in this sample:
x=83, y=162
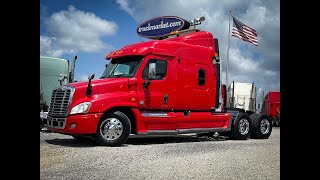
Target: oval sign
x=161, y=26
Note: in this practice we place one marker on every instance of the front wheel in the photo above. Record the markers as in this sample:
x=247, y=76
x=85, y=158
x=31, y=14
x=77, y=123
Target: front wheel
x=261, y=126
x=241, y=128
x=114, y=129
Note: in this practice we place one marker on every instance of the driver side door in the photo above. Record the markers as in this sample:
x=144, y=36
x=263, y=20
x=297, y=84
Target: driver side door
x=157, y=97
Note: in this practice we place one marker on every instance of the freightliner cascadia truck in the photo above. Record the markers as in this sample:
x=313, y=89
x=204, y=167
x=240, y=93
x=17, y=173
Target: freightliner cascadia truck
x=166, y=86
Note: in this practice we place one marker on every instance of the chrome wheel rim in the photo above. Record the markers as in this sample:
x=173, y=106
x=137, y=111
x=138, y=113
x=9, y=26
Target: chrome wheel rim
x=264, y=126
x=244, y=126
x=111, y=129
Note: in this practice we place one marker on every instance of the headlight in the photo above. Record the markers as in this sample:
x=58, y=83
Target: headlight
x=81, y=108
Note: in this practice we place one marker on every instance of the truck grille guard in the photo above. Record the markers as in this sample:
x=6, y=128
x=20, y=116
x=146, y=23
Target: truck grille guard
x=59, y=106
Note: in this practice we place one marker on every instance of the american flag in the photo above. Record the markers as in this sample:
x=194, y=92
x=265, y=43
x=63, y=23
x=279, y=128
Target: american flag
x=244, y=32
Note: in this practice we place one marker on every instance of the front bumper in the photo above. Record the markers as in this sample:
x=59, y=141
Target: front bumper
x=75, y=124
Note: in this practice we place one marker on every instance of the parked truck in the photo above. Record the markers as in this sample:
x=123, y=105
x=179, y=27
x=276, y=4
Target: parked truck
x=167, y=86
x=271, y=106
x=242, y=96
x=54, y=72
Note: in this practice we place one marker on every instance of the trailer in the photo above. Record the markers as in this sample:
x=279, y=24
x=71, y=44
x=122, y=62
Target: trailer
x=271, y=106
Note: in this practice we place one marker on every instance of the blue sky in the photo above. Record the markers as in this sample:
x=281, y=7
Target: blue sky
x=92, y=62
x=91, y=29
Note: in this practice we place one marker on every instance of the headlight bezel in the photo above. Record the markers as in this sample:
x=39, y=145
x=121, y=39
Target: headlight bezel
x=81, y=108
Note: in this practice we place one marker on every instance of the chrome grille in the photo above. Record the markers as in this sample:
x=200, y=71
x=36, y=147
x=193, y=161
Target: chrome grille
x=58, y=123
x=60, y=101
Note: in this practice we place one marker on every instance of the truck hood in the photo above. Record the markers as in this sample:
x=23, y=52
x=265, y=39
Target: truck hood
x=99, y=82
x=99, y=88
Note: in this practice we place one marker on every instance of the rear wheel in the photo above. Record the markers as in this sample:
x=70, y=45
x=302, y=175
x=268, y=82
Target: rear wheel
x=114, y=129
x=241, y=128
x=261, y=126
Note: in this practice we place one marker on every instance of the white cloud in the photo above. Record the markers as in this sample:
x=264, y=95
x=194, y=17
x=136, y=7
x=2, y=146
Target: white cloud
x=247, y=63
x=241, y=63
x=124, y=4
x=47, y=48
x=75, y=30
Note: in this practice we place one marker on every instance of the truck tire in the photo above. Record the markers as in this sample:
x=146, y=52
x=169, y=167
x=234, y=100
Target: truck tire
x=241, y=128
x=261, y=126
x=277, y=121
x=114, y=129
x=273, y=122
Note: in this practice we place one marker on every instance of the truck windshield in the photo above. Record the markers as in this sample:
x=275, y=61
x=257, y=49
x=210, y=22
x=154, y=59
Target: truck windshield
x=122, y=67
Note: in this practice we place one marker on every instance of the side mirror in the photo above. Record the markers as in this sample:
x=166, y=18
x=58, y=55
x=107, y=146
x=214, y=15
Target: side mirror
x=152, y=71
x=89, y=88
x=91, y=76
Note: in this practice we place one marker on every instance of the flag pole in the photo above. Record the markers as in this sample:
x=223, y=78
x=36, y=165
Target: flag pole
x=227, y=67
x=247, y=51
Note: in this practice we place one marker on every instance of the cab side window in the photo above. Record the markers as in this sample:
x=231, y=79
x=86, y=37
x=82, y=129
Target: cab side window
x=161, y=69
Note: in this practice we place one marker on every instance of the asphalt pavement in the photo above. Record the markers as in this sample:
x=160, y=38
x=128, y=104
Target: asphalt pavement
x=168, y=157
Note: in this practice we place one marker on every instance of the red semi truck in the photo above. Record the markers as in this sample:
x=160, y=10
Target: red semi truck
x=271, y=107
x=166, y=86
